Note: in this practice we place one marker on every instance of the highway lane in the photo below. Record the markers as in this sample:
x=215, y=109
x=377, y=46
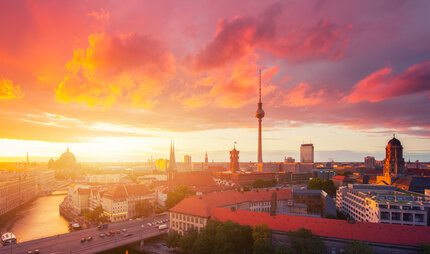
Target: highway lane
x=70, y=242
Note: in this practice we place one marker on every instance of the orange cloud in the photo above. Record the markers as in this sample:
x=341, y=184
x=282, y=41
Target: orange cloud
x=117, y=69
x=300, y=96
x=380, y=85
x=233, y=86
x=8, y=90
x=102, y=15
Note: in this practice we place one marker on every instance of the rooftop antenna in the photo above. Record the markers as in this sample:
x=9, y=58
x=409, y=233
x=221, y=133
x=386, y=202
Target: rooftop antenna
x=259, y=86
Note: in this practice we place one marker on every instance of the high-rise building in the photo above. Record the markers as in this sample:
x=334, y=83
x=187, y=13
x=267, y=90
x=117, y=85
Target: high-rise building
x=307, y=153
x=234, y=159
x=369, y=162
x=187, y=162
x=259, y=114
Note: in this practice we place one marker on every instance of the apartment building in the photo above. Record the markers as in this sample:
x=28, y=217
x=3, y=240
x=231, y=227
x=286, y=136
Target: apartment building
x=16, y=188
x=383, y=204
x=196, y=210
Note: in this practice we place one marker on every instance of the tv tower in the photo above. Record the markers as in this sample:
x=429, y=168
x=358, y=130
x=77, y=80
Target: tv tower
x=259, y=114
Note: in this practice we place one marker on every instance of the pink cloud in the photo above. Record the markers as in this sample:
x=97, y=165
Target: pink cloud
x=301, y=96
x=382, y=84
x=324, y=40
x=101, y=15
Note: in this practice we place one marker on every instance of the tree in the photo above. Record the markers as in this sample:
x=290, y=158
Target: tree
x=144, y=208
x=281, y=249
x=260, y=183
x=262, y=239
x=177, y=195
x=206, y=239
x=303, y=241
x=173, y=240
x=425, y=248
x=232, y=238
x=187, y=241
x=358, y=247
x=325, y=185
x=95, y=215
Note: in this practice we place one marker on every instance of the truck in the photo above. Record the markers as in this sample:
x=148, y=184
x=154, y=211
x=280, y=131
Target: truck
x=103, y=226
x=161, y=227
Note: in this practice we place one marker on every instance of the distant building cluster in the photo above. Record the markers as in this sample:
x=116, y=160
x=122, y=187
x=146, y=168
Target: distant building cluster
x=118, y=201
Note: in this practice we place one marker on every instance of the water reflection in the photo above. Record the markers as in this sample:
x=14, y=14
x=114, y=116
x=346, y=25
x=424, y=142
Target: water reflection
x=36, y=219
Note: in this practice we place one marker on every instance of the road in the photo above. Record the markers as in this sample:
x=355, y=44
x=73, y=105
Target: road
x=71, y=242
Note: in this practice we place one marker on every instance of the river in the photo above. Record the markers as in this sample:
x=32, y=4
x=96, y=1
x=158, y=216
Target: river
x=35, y=219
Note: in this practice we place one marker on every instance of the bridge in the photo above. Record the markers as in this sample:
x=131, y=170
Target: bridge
x=71, y=242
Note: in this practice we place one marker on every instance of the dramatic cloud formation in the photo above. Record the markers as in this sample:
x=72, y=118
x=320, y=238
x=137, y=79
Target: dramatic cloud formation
x=175, y=68
x=300, y=96
x=117, y=69
x=380, y=85
x=240, y=35
x=8, y=90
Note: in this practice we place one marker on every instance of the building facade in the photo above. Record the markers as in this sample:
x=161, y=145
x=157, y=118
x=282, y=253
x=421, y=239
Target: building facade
x=16, y=188
x=382, y=204
x=307, y=153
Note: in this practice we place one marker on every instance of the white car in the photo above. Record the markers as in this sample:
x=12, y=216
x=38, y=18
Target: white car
x=143, y=226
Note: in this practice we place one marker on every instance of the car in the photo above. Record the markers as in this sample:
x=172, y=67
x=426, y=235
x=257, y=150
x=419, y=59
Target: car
x=127, y=235
x=118, y=232
x=36, y=251
x=102, y=235
x=29, y=252
x=112, y=232
x=83, y=239
x=155, y=226
x=143, y=226
x=89, y=238
x=124, y=230
x=149, y=224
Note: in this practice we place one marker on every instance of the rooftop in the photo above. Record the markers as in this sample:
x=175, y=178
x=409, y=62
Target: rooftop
x=361, y=231
x=204, y=205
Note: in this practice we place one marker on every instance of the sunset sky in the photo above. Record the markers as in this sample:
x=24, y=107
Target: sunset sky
x=116, y=80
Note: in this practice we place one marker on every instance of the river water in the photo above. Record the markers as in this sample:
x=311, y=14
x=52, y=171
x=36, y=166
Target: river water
x=36, y=219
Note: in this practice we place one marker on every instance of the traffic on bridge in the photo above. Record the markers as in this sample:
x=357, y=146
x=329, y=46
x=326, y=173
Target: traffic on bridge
x=94, y=240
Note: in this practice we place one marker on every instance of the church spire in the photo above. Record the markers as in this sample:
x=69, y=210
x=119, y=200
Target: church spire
x=172, y=161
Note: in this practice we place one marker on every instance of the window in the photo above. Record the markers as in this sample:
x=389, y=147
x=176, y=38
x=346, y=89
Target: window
x=395, y=216
x=407, y=217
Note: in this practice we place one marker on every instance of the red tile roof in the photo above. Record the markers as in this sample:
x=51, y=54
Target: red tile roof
x=136, y=190
x=116, y=193
x=338, y=177
x=193, y=179
x=203, y=205
x=362, y=231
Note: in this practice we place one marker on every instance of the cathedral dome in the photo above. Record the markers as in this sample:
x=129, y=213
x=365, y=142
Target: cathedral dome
x=394, y=142
x=68, y=158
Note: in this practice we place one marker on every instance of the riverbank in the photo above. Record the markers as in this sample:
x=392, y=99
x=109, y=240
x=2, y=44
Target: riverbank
x=35, y=219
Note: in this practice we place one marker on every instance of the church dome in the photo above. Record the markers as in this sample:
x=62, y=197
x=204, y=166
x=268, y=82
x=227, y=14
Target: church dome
x=68, y=157
x=394, y=142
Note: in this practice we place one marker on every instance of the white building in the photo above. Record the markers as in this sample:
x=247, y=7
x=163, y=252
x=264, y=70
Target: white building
x=105, y=179
x=45, y=180
x=382, y=204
